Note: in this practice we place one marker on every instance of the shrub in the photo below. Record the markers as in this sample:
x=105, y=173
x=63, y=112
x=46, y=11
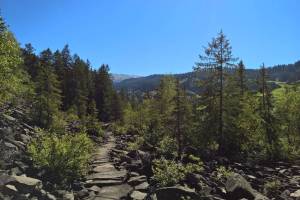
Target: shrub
x=169, y=172
x=271, y=188
x=223, y=172
x=64, y=157
x=118, y=129
x=136, y=145
x=94, y=127
x=168, y=147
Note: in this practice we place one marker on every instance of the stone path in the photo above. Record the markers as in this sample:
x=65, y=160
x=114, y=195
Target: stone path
x=104, y=181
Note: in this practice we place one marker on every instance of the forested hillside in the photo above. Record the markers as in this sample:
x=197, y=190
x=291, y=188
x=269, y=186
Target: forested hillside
x=285, y=73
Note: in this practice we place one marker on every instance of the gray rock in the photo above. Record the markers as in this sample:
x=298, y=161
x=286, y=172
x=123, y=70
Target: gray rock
x=94, y=188
x=114, y=192
x=68, y=196
x=83, y=193
x=143, y=187
x=137, y=195
x=238, y=187
x=295, y=194
x=5, y=179
x=26, y=184
x=137, y=180
x=175, y=193
x=23, y=138
x=102, y=183
x=109, y=175
x=10, y=190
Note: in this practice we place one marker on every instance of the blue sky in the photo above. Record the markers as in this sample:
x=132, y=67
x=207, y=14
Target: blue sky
x=158, y=36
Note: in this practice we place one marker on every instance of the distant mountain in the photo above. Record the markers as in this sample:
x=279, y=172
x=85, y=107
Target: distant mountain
x=284, y=73
x=121, y=77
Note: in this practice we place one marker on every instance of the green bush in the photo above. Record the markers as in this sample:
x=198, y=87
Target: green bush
x=168, y=147
x=136, y=144
x=223, y=172
x=94, y=127
x=65, y=157
x=118, y=129
x=169, y=172
x=271, y=188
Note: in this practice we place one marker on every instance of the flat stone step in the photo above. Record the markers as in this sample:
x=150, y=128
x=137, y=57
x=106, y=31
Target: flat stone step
x=114, y=192
x=103, y=168
x=113, y=175
x=102, y=183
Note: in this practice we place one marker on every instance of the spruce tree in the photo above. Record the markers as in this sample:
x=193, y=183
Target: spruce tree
x=182, y=117
x=80, y=86
x=31, y=61
x=165, y=104
x=241, y=77
x=216, y=60
x=103, y=93
x=266, y=111
x=48, y=92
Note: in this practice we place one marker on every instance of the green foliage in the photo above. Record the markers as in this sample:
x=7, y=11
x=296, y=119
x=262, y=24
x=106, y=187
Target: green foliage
x=169, y=173
x=136, y=145
x=48, y=98
x=65, y=157
x=223, y=172
x=271, y=188
x=167, y=147
x=94, y=127
x=14, y=80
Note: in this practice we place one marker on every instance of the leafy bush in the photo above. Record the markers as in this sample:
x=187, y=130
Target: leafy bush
x=93, y=127
x=64, y=157
x=118, y=129
x=271, y=188
x=168, y=172
x=168, y=147
x=59, y=124
x=136, y=145
x=223, y=172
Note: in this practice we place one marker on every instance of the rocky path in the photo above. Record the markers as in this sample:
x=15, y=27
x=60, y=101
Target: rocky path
x=105, y=181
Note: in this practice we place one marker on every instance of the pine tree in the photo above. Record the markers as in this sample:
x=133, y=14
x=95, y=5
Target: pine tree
x=266, y=110
x=241, y=77
x=103, y=93
x=31, y=61
x=182, y=117
x=47, y=90
x=217, y=59
x=64, y=70
x=165, y=104
x=117, y=109
x=81, y=75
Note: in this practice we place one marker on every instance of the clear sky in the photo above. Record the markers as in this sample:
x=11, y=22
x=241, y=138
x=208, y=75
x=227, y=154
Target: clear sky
x=158, y=36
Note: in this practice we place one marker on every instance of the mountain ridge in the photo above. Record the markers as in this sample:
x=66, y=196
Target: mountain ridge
x=285, y=73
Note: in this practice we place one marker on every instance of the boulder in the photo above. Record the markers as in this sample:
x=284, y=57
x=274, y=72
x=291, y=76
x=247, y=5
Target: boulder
x=9, y=190
x=5, y=179
x=143, y=187
x=26, y=184
x=82, y=193
x=176, y=193
x=137, y=195
x=114, y=192
x=238, y=187
x=295, y=194
x=137, y=180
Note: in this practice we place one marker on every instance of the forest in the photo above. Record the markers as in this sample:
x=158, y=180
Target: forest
x=224, y=140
